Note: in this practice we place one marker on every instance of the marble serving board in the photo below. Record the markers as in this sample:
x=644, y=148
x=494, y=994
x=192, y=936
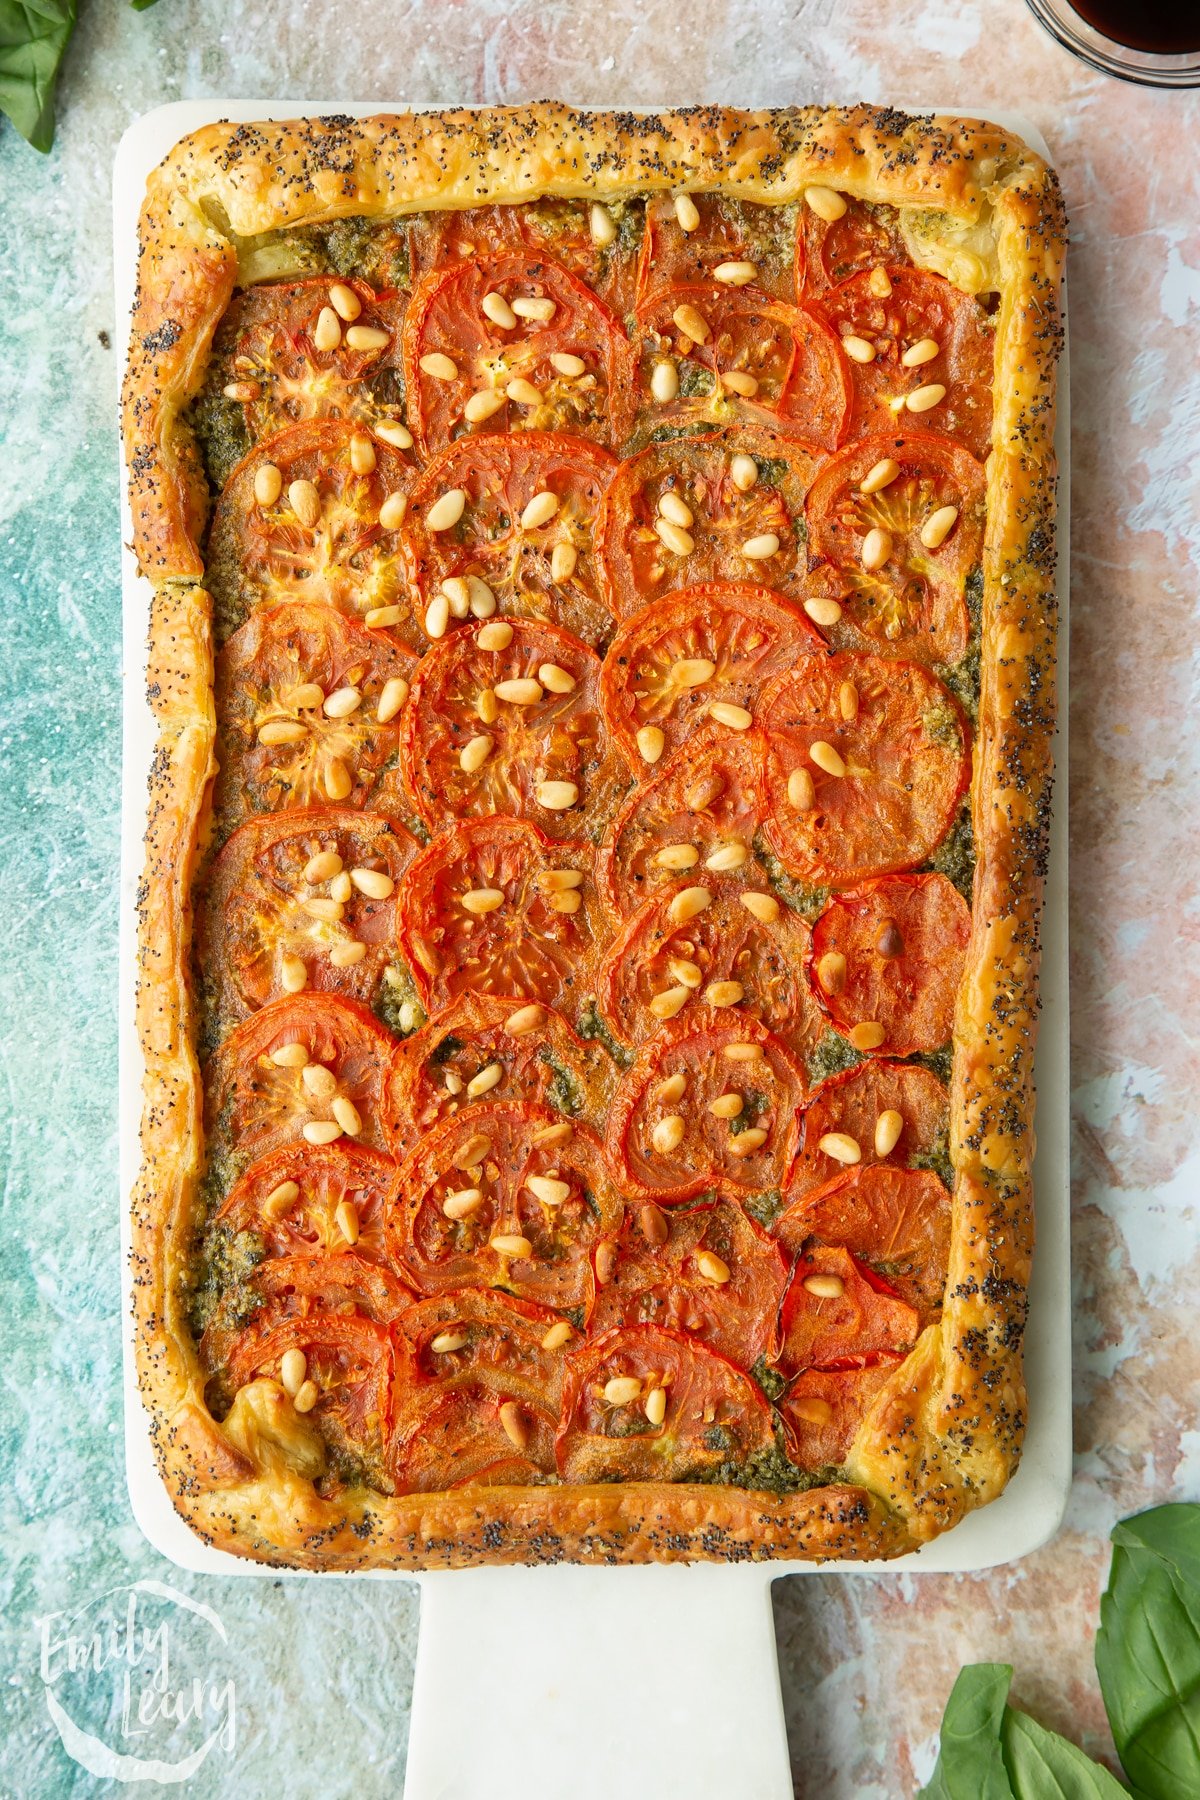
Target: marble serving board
x=691, y=1644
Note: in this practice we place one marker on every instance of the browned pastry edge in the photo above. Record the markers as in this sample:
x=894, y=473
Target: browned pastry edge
x=944, y=1434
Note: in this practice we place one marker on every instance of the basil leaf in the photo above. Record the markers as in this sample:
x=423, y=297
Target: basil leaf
x=1044, y=1766
x=970, y=1765
x=1148, y=1650
x=33, y=36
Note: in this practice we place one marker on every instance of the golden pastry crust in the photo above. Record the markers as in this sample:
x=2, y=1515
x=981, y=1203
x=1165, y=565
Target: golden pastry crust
x=944, y=1433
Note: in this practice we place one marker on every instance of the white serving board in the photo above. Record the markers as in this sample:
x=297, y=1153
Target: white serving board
x=694, y=1645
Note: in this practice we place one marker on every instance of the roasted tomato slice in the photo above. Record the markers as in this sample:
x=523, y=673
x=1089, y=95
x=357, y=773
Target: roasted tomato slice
x=837, y=1311
x=867, y=761
x=706, y=801
x=823, y=1409
x=926, y=336
x=308, y=1069
x=663, y=967
x=494, y=907
x=597, y=244
x=302, y=900
x=487, y=1048
x=469, y=1436
x=615, y=1427
x=752, y=245
x=742, y=491
x=842, y=1123
x=468, y=1336
x=280, y=746
x=715, y=645
x=544, y=569
x=314, y=1200
x=887, y=961
x=758, y=360
x=707, y=1271
x=283, y=354
x=912, y=601
x=302, y=518
x=511, y=731
x=665, y=1138
x=512, y=343
x=510, y=1196
x=895, y=1220
x=865, y=238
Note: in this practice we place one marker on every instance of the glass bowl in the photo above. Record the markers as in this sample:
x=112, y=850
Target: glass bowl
x=1146, y=67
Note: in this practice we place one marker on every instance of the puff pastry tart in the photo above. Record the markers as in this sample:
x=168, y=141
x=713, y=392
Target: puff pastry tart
x=603, y=651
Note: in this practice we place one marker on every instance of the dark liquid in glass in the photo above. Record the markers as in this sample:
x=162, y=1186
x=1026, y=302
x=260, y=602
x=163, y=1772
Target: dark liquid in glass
x=1163, y=27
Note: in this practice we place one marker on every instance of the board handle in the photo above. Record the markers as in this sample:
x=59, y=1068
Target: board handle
x=601, y=1684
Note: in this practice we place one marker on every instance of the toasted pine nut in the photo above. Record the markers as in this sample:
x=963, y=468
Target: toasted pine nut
x=879, y=475
x=345, y=302
x=340, y=888
x=319, y=1081
x=526, y=1018
x=393, y=509
x=549, y=1191
x=868, y=1035
x=306, y=1397
x=840, y=1146
x=605, y=1261
x=735, y=717
x=367, y=337
x=923, y=351
x=281, y=731
x=462, y=1203
x=726, y=858
x=268, y=484
x=346, y=1218
x=555, y=679
x=880, y=283
x=305, y=697
x=826, y=757
x=825, y=1287
x=475, y=753
x=692, y=671
x=338, y=781
x=567, y=364
x=327, y=332
x=554, y=1134
x=305, y=502
x=472, y=1151
x=726, y=1106
x=800, y=790
x=671, y=1088
x=566, y=902
x=447, y=510
x=437, y=617
x=672, y=507
x=831, y=972
x=559, y=1334
x=736, y=381
x=601, y=223
x=480, y=598
x=826, y=202
x=924, y=399
x=655, y=1226
x=392, y=696
x=497, y=636
x=692, y=324
x=485, y=1081
x=347, y=955
x=290, y=1056
x=293, y=1367
x=742, y=1052
x=563, y=558
x=362, y=454
x=655, y=1407
x=447, y=1342
x=664, y=382
x=538, y=307
x=848, y=701
x=496, y=308
x=483, y=900
x=687, y=974
x=938, y=526
x=394, y=433
x=487, y=706
x=743, y=472
x=483, y=405
x=888, y=1127
x=342, y=702
x=668, y=1134
x=622, y=1389
x=321, y=1131
x=712, y=1267
x=724, y=993
x=735, y=274
x=677, y=541
x=512, y=1244
x=823, y=611
x=556, y=796
x=677, y=856
x=762, y=906
x=688, y=902
x=245, y=391
x=650, y=743
x=373, y=883
x=669, y=1002
x=687, y=212
x=523, y=392
x=553, y=881
x=293, y=976
x=876, y=548
x=280, y=1200
x=380, y=617
x=746, y=1142
x=347, y=1116
x=762, y=547
x=458, y=596
x=514, y=1426
x=701, y=795
x=858, y=349
x=439, y=366
x=539, y=511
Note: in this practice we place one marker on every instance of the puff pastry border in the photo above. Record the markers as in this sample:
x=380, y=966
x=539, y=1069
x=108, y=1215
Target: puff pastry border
x=944, y=1434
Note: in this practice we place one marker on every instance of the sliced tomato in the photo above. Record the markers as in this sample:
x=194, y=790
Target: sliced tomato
x=266, y=554
x=266, y=346
x=642, y=566
x=561, y=229
x=895, y=1220
x=657, y=963
x=339, y=1282
x=499, y=477
x=714, y=1414
x=494, y=1152
x=704, y=800
x=915, y=603
x=715, y=1276
x=891, y=954
x=920, y=310
x=328, y=1180
x=448, y=1066
x=261, y=1097
x=673, y=661
x=278, y=748
x=837, y=1311
x=460, y=707
x=865, y=239
x=528, y=945
x=789, y=353
x=276, y=898
x=849, y=1105
x=823, y=1409
x=664, y=1138
x=905, y=758
x=728, y=231
x=453, y=1437
x=470, y=1337
x=446, y=320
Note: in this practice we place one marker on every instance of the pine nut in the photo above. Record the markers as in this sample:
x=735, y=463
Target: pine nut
x=290, y=1056
x=306, y=1397
x=567, y=364
x=868, y=1035
x=462, y=1203
x=483, y=900
x=452, y=1083
x=483, y=405
x=346, y=1216
x=305, y=697
x=293, y=1367
x=373, y=883
x=558, y=1335
x=340, y=889
x=746, y=1142
x=380, y=617
x=840, y=1146
x=563, y=558
x=761, y=548
x=268, y=484
x=735, y=274
x=667, y=1134
x=762, y=906
x=726, y=858
x=523, y=392
x=497, y=636
x=655, y=1226
x=553, y=881
x=496, y=308
x=447, y=1342
x=538, y=307
x=280, y=1200
x=822, y=611
x=347, y=955
x=458, y=596
x=827, y=758
x=724, y=993
x=671, y=1088
x=687, y=974
x=556, y=679
x=526, y=1018
x=605, y=1261
x=480, y=598
x=471, y=1153
x=672, y=507
x=305, y=502
x=561, y=1133
x=327, y=332
x=362, y=454
x=735, y=717
x=888, y=1127
x=549, y=1191
x=688, y=902
x=686, y=212
x=742, y=1052
x=924, y=399
x=743, y=472
x=345, y=302
x=487, y=706
x=392, y=511
x=245, y=391
x=825, y=1287
x=923, y=351
x=293, y=976
x=831, y=972
x=485, y=1081
x=446, y=511
x=880, y=283
x=726, y=1106
x=848, y=701
x=826, y=202
x=439, y=367
x=622, y=1389
x=474, y=754
x=876, y=548
x=515, y=1428
x=879, y=475
x=322, y=867
x=712, y=1267
x=938, y=526
x=342, y=702
x=664, y=382
x=321, y=1131
x=702, y=793
x=392, y=696
x=512, y=1244
x=347, y=1116
x=367, y=337
x=858, y=349
x=437, y=617
x=677, y=541
x=540, y=510
x=394, y=433
x=736, y=381
x=651, y=743
x=655, y=1406
x=677, y=856
x=330, y=912
x=281, y=731
x=602, y=225
x=556, y=796
x=692, y=671
x=800, y=790
x=692, y=324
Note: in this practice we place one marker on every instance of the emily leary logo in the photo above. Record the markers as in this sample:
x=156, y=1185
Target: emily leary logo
x=136, y=1685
